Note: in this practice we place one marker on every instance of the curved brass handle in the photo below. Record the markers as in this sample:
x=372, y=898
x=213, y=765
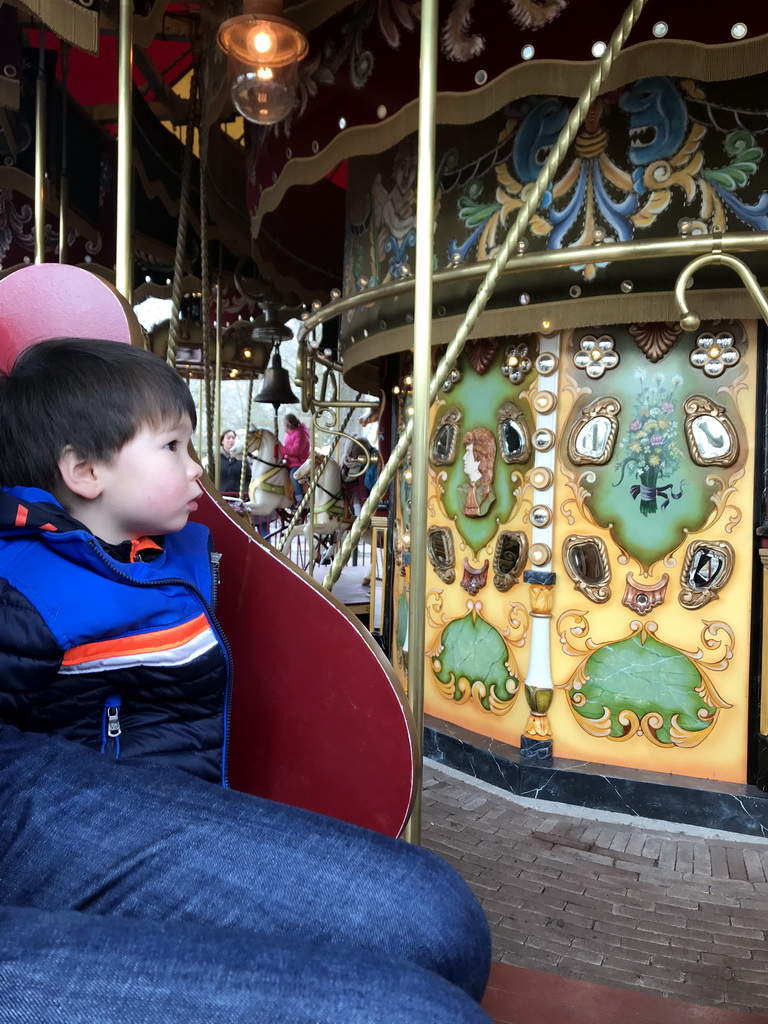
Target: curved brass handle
x=689, y=320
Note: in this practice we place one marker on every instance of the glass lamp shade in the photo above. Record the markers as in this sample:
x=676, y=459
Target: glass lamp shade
x=263, y=51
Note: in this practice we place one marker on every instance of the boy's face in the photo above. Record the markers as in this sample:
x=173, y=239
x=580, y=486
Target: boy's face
x=149, y=487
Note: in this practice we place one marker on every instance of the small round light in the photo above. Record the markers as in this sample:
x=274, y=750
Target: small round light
x=408, y=474
x=574, y=291
x=598, y=49
x=247, y=353
x=408, y=381
x=481, y=77
x=739, y=30
x=527, y=52
x=546, y=324
x=626, y=287
x=342, y=123
x=660, y=29
x=148, y=279
x=409, y=410
x=525, y=298
x=381, y=111
x=396, y=390
x=539, y=554
x=335, y=294
x=316, y=305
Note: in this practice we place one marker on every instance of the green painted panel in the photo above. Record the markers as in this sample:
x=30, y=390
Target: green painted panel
x=651, y=493
x=479, y=398
x=644, y=677
x=476, y=652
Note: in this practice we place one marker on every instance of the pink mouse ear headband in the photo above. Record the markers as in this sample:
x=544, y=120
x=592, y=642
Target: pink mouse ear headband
x=53, y=300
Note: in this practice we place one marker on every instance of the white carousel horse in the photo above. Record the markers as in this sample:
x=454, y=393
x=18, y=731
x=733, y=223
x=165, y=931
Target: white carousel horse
x=329, y=504
x=268, y=475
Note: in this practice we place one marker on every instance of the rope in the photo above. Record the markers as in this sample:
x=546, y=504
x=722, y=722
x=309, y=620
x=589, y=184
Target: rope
x=181, y=228
x=247, y=434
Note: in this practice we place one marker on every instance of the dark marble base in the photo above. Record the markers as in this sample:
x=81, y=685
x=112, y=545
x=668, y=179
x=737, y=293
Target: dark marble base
x=539, y=751
x=719, y=805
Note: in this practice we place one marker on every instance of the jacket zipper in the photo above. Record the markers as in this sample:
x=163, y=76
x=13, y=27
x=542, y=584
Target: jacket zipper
x=214, y=622
x=110, y=726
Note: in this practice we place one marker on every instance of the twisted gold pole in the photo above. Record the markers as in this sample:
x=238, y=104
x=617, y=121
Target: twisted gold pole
x=174, y=329
x=478, y=304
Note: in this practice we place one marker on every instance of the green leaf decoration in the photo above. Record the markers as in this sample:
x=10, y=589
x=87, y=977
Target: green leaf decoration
x=473, y=214
x=476, y=652
x=746, y=157
x=643, y=678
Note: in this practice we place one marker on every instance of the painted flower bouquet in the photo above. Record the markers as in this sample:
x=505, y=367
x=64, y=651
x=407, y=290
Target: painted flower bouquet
x=650, y=447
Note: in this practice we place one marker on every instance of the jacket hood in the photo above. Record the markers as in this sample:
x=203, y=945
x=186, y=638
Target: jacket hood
x=30, y=509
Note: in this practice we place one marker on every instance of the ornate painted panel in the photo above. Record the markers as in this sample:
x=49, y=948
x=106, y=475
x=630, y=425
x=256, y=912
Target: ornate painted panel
x=638, y=498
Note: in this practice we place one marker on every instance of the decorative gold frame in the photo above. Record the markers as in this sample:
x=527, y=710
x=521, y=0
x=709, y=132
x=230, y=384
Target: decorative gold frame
x=451, y=417
x=598, y=592
x=504, y=580
x=608, y=407
x=699, y=405
x=447, y=573
x=513, y=412
x=692, y=599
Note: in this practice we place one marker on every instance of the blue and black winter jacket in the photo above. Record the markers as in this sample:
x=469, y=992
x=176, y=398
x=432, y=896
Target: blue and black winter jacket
x=123, y=656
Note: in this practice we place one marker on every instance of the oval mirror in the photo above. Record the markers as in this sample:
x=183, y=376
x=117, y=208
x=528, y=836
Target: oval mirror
x=443, y=443
x=711, y=437
x=512, y=439
x=592, y=439
x=707, y=566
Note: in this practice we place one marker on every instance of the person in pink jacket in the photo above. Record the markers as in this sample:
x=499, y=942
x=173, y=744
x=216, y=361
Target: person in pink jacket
x=295, y=449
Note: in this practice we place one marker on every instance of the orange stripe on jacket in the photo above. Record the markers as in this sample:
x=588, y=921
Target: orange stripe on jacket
x=142, y=643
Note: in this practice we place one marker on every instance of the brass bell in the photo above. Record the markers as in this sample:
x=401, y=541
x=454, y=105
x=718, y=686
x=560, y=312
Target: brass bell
x=276, y=388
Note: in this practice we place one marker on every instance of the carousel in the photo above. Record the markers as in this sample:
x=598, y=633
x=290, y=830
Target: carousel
x=534, y=240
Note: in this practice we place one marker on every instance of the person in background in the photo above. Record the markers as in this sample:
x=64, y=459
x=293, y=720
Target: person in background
x=295, y=449
x=230, y=467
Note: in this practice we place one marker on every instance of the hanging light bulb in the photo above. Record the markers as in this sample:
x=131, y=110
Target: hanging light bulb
x=264, y=50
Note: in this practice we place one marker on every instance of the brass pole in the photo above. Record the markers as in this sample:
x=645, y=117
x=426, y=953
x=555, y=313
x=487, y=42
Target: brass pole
x=541, y=262
x=200, y=419
x=41, y=91
x=218, y=380
x=123, y=249
x=493, y=273
x=64, y=175
x=422, y=350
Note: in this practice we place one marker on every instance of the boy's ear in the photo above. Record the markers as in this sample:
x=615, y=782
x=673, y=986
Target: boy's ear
x=79, y=475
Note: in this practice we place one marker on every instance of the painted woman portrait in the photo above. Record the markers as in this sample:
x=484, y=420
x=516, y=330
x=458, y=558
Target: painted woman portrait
x=479, y=459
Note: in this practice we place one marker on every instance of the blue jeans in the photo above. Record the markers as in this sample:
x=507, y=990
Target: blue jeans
x=298, y=490
x=146, y=896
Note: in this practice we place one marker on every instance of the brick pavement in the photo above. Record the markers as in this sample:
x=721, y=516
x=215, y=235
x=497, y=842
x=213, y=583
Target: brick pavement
x=674, y=910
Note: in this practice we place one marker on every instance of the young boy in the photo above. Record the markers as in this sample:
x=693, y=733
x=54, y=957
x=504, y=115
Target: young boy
x=133, y=894
x=108, y=635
